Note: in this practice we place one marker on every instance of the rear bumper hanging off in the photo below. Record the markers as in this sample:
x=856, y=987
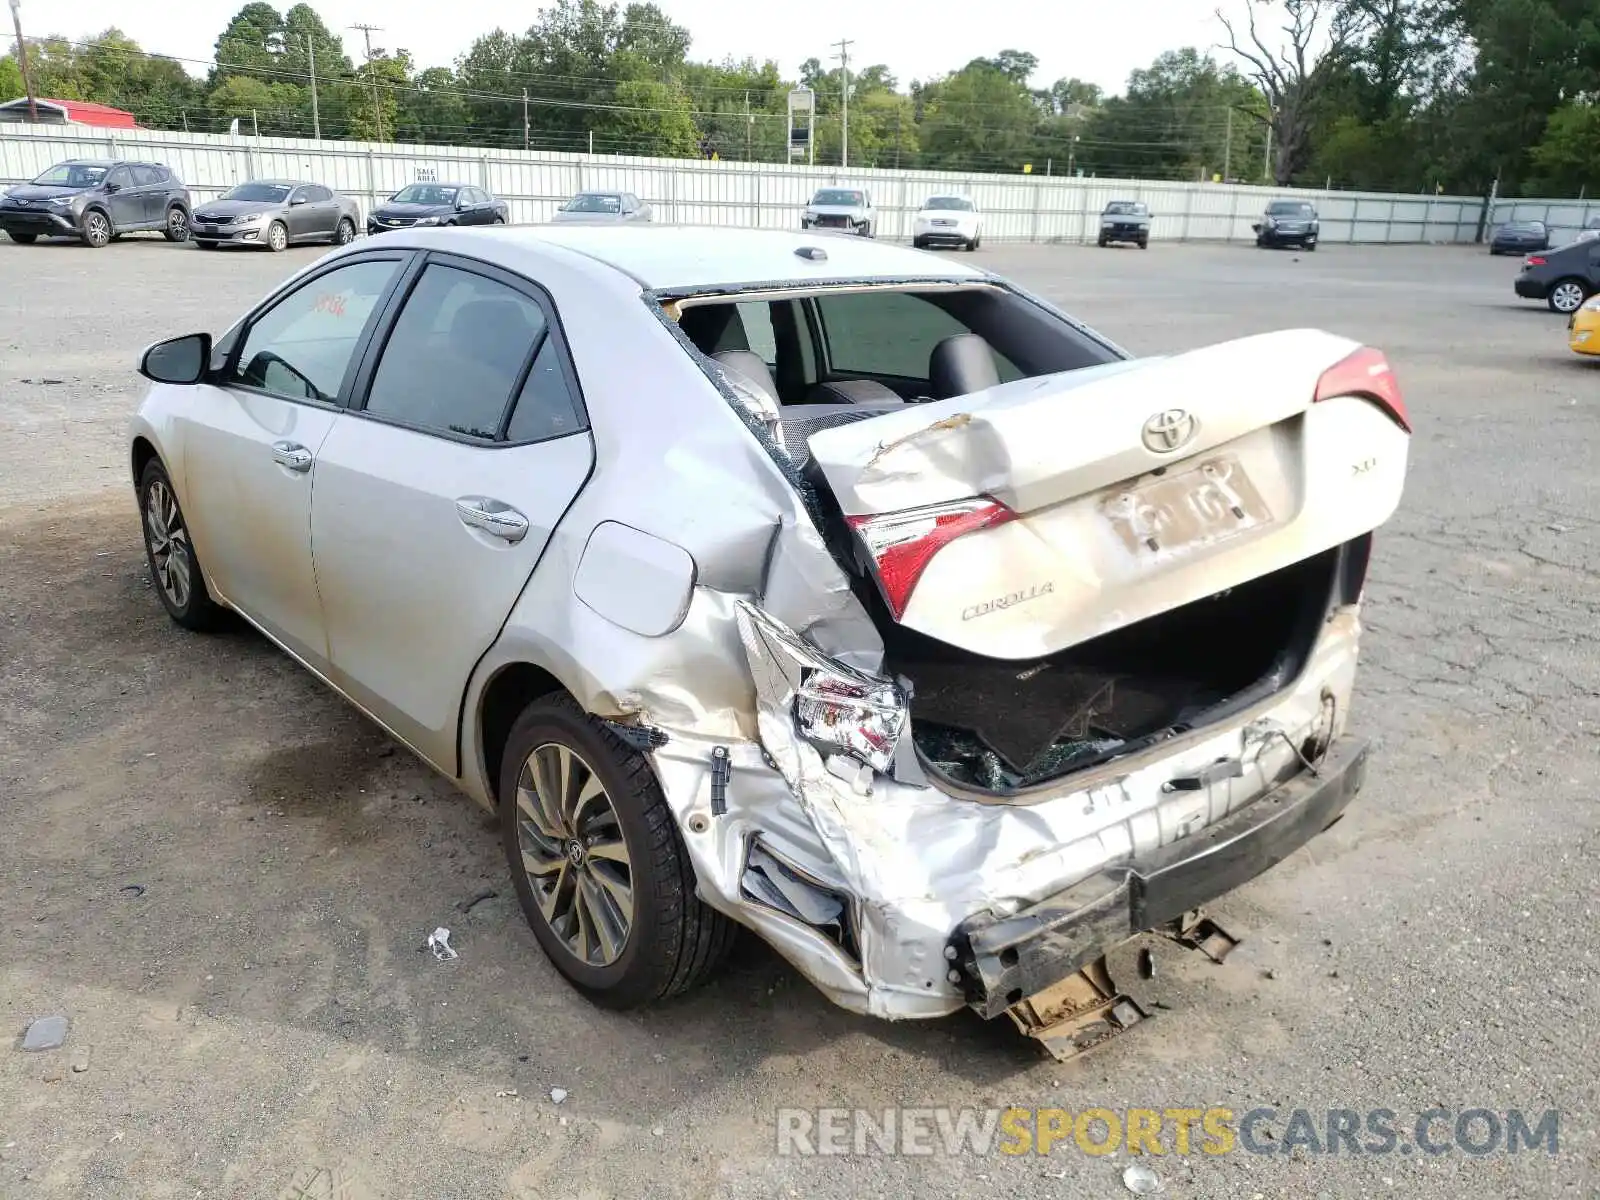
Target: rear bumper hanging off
x=1003, y=960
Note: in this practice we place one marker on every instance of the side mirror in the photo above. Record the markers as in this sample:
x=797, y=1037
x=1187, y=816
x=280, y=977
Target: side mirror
x=293, y=200
x=112, y=187
x=177, y=360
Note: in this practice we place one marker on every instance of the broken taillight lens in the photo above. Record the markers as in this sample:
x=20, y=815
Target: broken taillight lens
x=858, y=716
x=1367, y=374
x=902, y=544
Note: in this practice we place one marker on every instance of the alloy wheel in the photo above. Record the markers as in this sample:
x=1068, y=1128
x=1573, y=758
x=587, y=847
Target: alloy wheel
x=574, y=854
x=177, y=225
x=96, y=229
x=277, y=237
x=346, y=233
x=1566, y=297
x=169, y=543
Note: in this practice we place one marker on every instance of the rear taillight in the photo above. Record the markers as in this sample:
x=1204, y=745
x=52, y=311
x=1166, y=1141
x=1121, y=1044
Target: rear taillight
x=1533, y=260
x=1367, y=374
x=902, y=544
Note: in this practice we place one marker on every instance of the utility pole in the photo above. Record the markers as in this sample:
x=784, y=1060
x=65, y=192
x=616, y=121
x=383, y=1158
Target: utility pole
x=1266, y=165
x=1227, y=149
x=749, y=127
x=527, y=140
x=844, y=45
x=22, y=61
x=316, y=115
x=377, y=109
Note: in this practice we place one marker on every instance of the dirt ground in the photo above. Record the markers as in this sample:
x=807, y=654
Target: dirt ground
x=223, y=876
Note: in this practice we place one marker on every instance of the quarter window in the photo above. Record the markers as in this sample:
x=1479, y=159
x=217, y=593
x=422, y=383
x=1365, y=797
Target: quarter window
x=456, y=354
x=145, y=176
x=301, y=347
x=545, y=408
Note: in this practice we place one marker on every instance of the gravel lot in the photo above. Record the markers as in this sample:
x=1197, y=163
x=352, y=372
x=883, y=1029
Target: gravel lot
x=262, y=1020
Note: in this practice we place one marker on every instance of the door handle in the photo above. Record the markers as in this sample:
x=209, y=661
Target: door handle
x=494, y=518
x=292, y=455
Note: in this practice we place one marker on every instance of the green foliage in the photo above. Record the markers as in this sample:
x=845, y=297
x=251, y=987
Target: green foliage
x=1403, y=95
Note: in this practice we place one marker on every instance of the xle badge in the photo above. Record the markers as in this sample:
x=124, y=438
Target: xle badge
x=1009, y=600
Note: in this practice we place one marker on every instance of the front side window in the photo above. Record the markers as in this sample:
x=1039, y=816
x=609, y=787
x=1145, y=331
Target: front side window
x=426, y=193
x=301, y=347
x=120, y=177
x=455, y=354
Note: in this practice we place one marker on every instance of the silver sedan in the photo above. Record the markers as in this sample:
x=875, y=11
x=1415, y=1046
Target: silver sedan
x=798, y=583
x=604, y=208
x=277, y=214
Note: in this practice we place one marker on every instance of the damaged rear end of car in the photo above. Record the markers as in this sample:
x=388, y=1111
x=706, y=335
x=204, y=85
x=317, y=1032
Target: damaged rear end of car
x=1116, y=618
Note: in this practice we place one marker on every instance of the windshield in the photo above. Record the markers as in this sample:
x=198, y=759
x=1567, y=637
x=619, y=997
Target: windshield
x=952, y=203
x=272, y=193
x=838, y=197
x=1124, y=208
x=1289, y=208
x=592, y=202
x=425, y=193
x=1524, y=227
x=77, y=175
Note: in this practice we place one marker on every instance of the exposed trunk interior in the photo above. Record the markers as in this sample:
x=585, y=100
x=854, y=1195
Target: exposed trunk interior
x=1002, y=725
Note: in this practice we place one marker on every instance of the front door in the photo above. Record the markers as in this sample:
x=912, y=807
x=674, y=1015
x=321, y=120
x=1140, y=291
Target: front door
x=436, y=499
x=250, y=446
x=126, y=202
x=301, y=215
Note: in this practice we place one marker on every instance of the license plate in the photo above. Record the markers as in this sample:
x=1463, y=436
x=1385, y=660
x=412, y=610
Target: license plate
x=1175, y=514
x=206, y=228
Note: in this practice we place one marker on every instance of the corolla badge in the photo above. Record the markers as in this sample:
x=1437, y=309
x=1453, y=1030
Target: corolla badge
x=1169, y=430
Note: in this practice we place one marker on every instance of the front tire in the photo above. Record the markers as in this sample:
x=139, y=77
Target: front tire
x=598, y=865
x=1311, y=247
x=1567, y=296
x=277, y=237
x=918, y=244
x=23, y=239
x=177, y=229
x=174, y=568
x=345, y=233
x=96, y=229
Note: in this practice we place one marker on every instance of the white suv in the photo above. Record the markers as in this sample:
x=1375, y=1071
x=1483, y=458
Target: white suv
x=947, y=221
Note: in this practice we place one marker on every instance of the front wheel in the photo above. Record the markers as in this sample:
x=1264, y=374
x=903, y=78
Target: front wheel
x=918, y=244
x=24, y=239
x=498, y=221
x=1144, y=243
x=96, y=229
x=346, y=233
x=597, y=862
x=277, y=238
x=1311, y=247
x=174, y=569
x=864, y=229
x=177, y=229
x=1567, y=297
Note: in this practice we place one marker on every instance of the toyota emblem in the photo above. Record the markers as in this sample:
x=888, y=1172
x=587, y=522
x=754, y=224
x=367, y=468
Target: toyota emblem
x=1168, y=430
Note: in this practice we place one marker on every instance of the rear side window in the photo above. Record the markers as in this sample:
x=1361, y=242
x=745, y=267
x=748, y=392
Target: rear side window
x=144, y=176
x=883, y=333
x=456, y=354
x=315, y=194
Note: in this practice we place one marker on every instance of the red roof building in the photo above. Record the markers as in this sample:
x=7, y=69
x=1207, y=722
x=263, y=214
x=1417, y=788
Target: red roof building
x=68, y=112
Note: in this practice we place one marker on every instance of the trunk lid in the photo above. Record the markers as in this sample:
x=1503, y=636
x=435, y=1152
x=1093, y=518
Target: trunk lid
x=1038, y=514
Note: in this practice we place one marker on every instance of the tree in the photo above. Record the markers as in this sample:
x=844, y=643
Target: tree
x=1567, y=158
x=982, y=118
x=10, y=79
x=1294, y=77
x=252, y=43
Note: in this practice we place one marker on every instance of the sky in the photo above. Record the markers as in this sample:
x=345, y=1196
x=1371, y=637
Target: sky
x=1096, y=40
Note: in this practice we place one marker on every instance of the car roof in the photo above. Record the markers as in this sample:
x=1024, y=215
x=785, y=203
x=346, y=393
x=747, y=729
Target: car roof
x=681, y=256
x=93, y=162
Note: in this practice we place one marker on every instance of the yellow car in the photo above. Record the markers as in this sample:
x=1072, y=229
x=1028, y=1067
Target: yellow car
x=1583, y=328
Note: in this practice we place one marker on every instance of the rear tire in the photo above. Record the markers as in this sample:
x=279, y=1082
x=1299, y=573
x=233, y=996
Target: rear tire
x=23, y=239
x=177, y=229
x=671, y=940
x=1567, y=296
x=169, y=551
x=277, y=237
x=345, y=233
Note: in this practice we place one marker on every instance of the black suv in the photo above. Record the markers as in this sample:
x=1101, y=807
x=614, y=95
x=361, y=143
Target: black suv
x=1288, y=223
x=97, y=200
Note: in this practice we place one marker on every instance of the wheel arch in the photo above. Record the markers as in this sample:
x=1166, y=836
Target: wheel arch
x=143, y=452
x=509, y=690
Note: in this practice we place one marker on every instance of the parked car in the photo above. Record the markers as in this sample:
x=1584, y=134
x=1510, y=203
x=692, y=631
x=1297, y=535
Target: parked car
x=1520, y=237
x=849, y=209
x=1583, y=328
x=947, y=221
x=276, y=213
x=1563, y=278
x=97, y=201
x=1288, y=223
x=891, y=666
x=438, y=204
x=603, y=208
x=1126, y=221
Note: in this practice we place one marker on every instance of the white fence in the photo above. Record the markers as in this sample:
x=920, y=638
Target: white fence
x=1018, y=207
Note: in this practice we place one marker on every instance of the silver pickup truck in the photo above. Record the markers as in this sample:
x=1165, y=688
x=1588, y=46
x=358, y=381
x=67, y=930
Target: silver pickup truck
x=847, y=209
